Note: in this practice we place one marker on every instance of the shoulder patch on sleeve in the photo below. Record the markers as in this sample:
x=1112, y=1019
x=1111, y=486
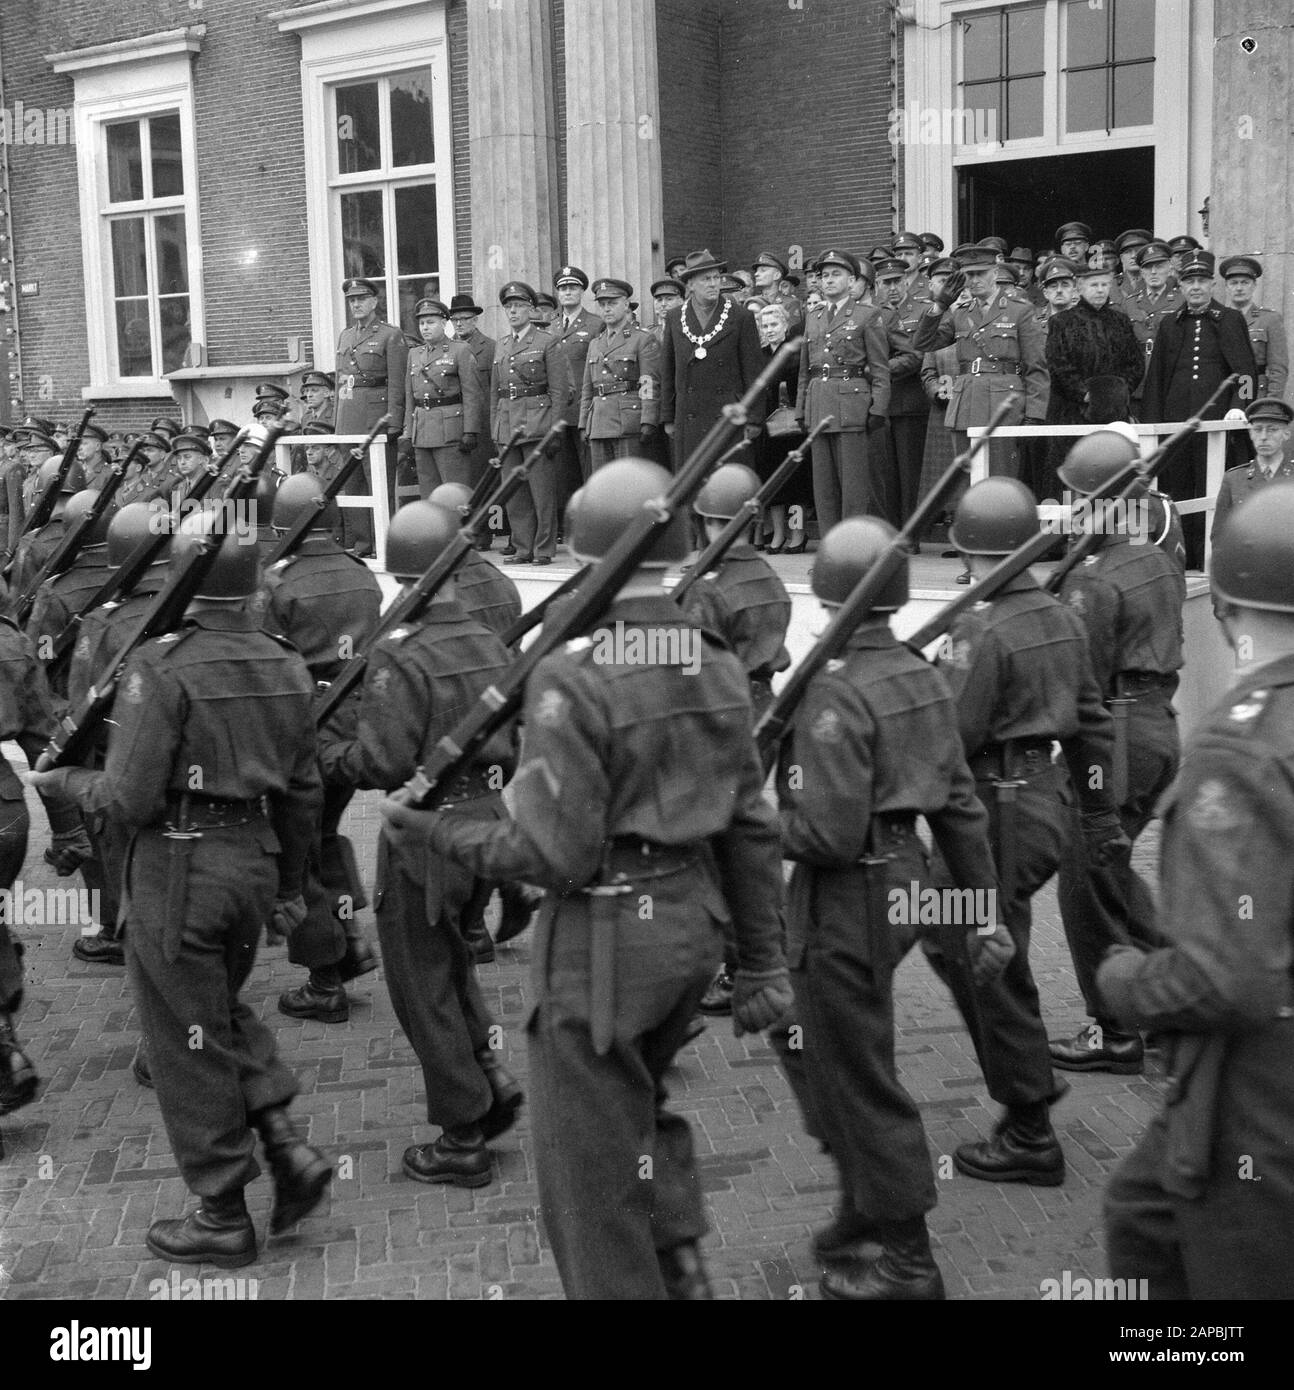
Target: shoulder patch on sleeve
x=827, y=727
x=1247, y=710
x=550, y=709
x=833, y=665
x=1215, y=807
x=398, y=634
x=134, y=691
x=382, y=681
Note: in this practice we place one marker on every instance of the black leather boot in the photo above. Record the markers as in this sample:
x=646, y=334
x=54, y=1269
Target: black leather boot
x=301, y=1174
x=104, y=949
x=517, y=904
x=906, y=1270
x=507, y=1093
x=140, y=1069
x=322, y=997
x=848, y=1236
x=1098, y=1048
x=717, y=998
x=18, y=1079
x=459, y=1157
x=219, y=1233
x=1024, y=1148
x=480, y=945
x=683, y=1271
x=358, y=959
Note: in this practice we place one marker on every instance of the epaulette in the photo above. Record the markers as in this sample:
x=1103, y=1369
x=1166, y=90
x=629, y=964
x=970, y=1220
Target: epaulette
x=280, y=639
x=169, y=641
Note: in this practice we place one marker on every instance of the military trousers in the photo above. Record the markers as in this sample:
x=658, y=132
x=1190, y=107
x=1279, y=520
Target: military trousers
x=604, y=451
x=532, y=512
x=103, y=874
x=842, y=484
x=617, y=1173
x=1102, y=907
x=333, y=889
x=1003, y=458
x=1004, y=1019
x=14, y=825
x=194, y=911
x=901, y=482
x=421, y=903
x=444, y=465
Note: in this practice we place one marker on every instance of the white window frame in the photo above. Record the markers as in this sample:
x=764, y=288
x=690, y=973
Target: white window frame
x=366, y=41
x=122, y=82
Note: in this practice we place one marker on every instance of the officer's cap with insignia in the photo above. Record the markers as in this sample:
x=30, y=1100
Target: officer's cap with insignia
x=1153, y=252
x=731, y=285
x=318, y=427
x=612, y=289
x=1198, y=263
x=909, y=241
x=357, y=288
x=1183, y=243
x=767, y=258
x=517, y=289
x=431, y=309
x=95, y=432
x=1073, y=231
x=268, y=391
x=1132, y=239
x=164, y=424
x=891, y=269
x=941, y=265
x=971, y=256
x=325, y=379
x=1240, y=265
x=878, y=253
x=844, y=259
x=1270, y=408
x=222, y=429
x=29, y=437
x=667, y=286
x=38, y=422
x=1058, y=268
x=545, y=301
x=150, y=439
x=570, y=275
x=999, y=244
x=932, y=240
x=1004, y=274
x=191, y=441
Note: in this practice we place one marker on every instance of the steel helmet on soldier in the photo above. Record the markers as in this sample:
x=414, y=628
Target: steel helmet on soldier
x=267, y=489
x=300, y=494
x=726, y=491
x=418, y=533
x=847, y=552
x=129, y=528
x=236, y=572
x=80, y=505
x=48, y=471
x=1095, y=459
x=994, y=517
x=454, y=497
x=1253, y=557
x=614, y=496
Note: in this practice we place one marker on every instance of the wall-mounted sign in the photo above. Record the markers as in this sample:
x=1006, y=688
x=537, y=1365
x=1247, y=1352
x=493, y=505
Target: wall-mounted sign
x=29, y=287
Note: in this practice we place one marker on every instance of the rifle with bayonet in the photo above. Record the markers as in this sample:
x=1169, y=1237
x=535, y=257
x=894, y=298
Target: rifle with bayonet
x=44, y=508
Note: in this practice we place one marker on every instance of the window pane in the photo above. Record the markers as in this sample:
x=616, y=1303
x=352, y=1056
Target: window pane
x=172, y=255
x=358, y=132
x=125, y=166
x=129, y=263
x=1134, y=29
x=1024, y=108
x=168, y=170
x=1134, y=94
x=980, y=121
x=1085, y=99
x=981, y=46
x=411, y=140
x=134, y=339
x=175, y=331
x=415, y=229
x=1024, y=40
x=363, y=249
x=1086, y=34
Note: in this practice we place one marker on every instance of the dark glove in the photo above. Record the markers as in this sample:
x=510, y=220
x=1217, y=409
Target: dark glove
x=467, y=444
x=646, y=434
x=876, y=422
x=753, y=432
x=552, y=449
x=401, y=444
x=1103, y=836
x=760, y=999
x=584, y=439
x=951, y=291
x=286, y=916
x=68, y=850
x=990, y=953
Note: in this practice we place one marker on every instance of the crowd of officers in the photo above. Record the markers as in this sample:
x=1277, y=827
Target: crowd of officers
x=633, y=800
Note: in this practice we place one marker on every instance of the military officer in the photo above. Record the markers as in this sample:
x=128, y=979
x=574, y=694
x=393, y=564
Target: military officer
x=1129, y=596
x=529, y=388
x=1126, y=246
x=269, y=403
x=1072, y=241
x=188, y=458
x=219, y=696
x=317, y=396
x=1203, y=1206
x=909, y=410
x=660, y=760
x=34, y=447
x=575, y=332
x=464, y=315
x=1182, y=249
x=418, y=681
x=1153, y=300
x=909, y=249
x=91, y=456
x=844, y=373
x=1266, y=326
x=619, y=412
x=1269, y=432
x=445, y=407
x=545, y=311
x=152, y=479
x=666, y=294
x=769, y=272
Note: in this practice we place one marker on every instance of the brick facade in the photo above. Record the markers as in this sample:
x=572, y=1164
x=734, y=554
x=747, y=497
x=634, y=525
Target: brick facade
x=692, y=165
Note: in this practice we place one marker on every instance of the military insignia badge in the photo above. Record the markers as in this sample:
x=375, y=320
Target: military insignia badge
x=382, y=682
x=134, y=691
x=1245, y=710
x=826, y=727
x=551, y=709
x=1214, y=808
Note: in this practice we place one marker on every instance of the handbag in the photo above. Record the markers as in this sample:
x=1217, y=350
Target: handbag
x=782, y=421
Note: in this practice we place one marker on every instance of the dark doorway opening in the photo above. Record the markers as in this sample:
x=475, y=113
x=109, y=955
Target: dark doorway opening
x=1026, y=200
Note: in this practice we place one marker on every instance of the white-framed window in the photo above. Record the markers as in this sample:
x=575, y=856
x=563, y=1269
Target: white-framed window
x=378, y=157
x=137, y=172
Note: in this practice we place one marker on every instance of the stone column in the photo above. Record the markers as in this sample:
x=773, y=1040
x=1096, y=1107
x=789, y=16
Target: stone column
x=614, y=223
x=512, y=142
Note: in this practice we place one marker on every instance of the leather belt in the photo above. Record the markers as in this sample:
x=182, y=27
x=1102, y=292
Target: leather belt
x=842, y=374
x=1143, y=682
x=619, y=389
x=629, y=859
x=211, y=812
x=986, y=366
x=427, y=401
x=514, y=393
x=365, y=379
x=891, y=829
x=1015, y=760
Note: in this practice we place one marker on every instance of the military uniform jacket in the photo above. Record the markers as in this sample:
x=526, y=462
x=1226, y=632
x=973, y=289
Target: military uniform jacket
x=1271, y=350
x=907, y=394
x=1191, y=356
x=324, y=601
x=1239, y=483
x=59, y=598
x=528, y=385
x=221, y=696
x=1000, y=347
x=370, y=373
x=26, y=710
x=575, y=343
x=104, y=632
x=447, y=371
x=148, y=484
x=746, y=603
x=852, y=339
x=488, y=596
x=1146, y=312
x=621, y=384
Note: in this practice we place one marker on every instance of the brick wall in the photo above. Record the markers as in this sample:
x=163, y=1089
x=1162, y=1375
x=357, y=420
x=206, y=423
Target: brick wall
x=692, y=167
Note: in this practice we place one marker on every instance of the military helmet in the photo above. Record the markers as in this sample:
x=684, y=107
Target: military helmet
x=1095, y=459
x=301, y=493
x=48, y=471
x=613, y=497
x=236, y=571
x=80, y=505
x=454, y=497
x=418, y=533
x=129, y=528
x=726, y=492
x=267, y=489
x=1251, y=561
x=847, y=552
x=994, y=517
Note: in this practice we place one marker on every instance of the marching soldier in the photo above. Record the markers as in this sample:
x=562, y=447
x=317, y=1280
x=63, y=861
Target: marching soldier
x=1266, y=326
x=619, y=412
x=909, y=409
x=37, y=546
x=445, y=411
x=529, y=388
x=417, y=682
x=1021, y=676
x=844, y=373
x=207, y=869
x=1269, y=432
x=1130, y=598
x=1218, y=991
x=326, y=603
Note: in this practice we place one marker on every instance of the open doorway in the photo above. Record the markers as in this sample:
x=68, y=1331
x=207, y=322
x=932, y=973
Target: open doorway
x=1026, y=200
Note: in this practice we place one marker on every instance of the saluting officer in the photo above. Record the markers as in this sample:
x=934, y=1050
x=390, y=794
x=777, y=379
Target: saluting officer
x=1203, y=1207
x=844, y=373
x=619, y=411
x=1266, y=326
x=1269, y=432
x=444, y=412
